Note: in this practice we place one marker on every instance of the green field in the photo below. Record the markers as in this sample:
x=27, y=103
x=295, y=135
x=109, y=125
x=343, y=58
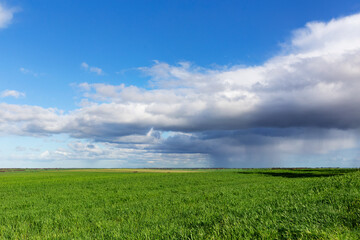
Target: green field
x=188, y=204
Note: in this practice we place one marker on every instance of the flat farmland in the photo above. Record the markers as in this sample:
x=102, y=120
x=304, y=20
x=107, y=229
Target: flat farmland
x=180, y=204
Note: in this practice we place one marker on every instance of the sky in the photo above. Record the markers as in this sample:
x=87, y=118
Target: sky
x=177, y=84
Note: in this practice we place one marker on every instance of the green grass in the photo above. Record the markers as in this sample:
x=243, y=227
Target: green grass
x=213, y=204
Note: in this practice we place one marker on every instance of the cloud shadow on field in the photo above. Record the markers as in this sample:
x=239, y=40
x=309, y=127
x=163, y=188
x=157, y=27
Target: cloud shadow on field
x=303, y=173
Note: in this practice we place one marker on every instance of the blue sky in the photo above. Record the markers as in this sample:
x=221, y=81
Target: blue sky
x=179, y=83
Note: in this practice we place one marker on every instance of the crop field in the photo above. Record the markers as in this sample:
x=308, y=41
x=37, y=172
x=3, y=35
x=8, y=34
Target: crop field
x=180, y=204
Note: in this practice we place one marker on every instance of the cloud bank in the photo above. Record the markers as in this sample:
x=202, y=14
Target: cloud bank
x=301, y=102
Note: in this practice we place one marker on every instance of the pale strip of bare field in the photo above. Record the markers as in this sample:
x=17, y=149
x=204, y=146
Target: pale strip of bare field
x=133, y=170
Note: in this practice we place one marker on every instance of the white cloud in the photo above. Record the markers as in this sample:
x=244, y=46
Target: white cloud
x=96, y=70
x=30, y=120
x=12, y=93
x=84, y=65
x=6, y=15
x=29, y=72
x=337, y=36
